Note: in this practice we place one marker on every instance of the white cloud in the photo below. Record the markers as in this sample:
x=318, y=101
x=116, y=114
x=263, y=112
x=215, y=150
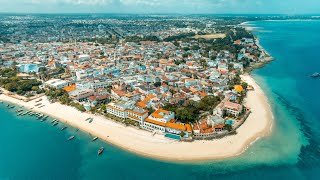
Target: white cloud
x=142, y=2
x=71, y=2
x=160, y=6
x=89, y=2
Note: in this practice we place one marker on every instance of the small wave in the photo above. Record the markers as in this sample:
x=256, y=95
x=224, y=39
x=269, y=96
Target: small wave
x=257, y=139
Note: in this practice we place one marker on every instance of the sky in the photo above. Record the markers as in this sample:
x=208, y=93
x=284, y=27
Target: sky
x=290, y=7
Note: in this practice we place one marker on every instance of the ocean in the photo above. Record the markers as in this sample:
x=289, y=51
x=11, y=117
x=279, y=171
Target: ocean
x=35, y=150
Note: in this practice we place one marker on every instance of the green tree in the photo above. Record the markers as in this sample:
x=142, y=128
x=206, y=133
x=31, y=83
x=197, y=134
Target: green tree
x=157, y=84
x=228, y=127
x=244, y=85
x=182, y=134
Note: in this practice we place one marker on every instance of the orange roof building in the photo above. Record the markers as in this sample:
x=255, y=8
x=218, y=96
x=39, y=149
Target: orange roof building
x=162, y=120
x=145, y=102
x=238, y=88
x=70, y=88
x=229, y=107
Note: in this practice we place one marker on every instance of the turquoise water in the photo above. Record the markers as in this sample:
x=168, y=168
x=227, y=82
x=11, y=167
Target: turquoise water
x=34, y=150
x=230, y=122
x=172, y=136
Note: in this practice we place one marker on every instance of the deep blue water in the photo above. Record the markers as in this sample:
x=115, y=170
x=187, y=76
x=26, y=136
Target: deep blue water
x=34, y=150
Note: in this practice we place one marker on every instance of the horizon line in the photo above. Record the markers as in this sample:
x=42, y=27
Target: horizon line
x=119, y=13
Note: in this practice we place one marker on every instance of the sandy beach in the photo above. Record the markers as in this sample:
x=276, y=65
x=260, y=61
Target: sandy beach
x=258, y=124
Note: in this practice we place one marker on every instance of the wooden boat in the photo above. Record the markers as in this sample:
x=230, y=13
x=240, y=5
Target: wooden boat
x=100, y=151
x=316, y=74
x=19, y=110
x=70, y=138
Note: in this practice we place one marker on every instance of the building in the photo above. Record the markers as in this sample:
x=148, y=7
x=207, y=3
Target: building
x=157, y=120
x=56, y=83
x=163, y=121
x=97, y=85
x=83, y=58
x=137, y=114
x=176, y=128
x=202, y=129
x=119, y=109
x=227, y=107
x=117, y=93
x=127, y=110
x=145, y=103
x=98, y=99
x=81, y=95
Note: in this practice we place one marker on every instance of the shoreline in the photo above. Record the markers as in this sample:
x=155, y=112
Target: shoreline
x=265, y=57
x=259, y=124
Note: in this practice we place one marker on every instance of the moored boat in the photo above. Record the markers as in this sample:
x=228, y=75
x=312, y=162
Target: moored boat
x=95, y=138
x=100, y=151
x=316, y=74
x=64, y=128
x=70, y=138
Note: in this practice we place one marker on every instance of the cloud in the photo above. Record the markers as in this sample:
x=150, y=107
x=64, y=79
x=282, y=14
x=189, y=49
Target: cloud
x=160, y=6
x=142, y=2
x=89, y=2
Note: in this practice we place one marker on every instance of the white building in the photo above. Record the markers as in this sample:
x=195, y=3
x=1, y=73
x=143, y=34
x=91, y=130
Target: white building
x=137, y=114
x=228, y=107
x=97, y=84
x=158, y=120
x=127, y=110
x=119, y=109
x=56, y=83
x=83, y=58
